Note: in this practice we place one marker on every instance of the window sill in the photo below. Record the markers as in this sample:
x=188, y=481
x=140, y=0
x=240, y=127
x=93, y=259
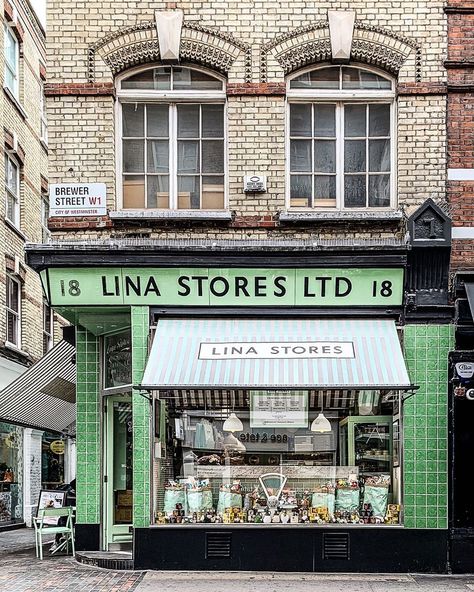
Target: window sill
x=14, y=348
x=16, y=103
x=341, y=216
x=16, y=230
x=206, y=215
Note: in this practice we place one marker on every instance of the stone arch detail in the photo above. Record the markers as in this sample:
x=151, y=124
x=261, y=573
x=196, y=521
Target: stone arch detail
x=311, y=45
x=138, y=44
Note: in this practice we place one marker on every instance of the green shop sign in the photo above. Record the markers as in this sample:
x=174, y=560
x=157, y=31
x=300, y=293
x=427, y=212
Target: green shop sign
x=224, y=287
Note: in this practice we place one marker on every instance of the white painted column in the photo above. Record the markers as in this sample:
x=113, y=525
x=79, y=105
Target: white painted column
x=70, y=460
x=32, y=442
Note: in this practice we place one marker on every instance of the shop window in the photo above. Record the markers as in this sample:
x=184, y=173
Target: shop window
x=12, y=60
x=297, y=457
x=13, y=310
x=172, y=140
x=341, y=139
x=12, y=190
x=11, y=494
x=117, y=355
x=47, y=327
x=52, y=461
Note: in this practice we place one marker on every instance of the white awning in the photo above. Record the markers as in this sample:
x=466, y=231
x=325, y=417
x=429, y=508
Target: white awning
x=44, y=396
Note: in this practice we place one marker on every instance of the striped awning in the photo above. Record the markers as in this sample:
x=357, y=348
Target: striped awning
x=44, y=396
x=275, y=353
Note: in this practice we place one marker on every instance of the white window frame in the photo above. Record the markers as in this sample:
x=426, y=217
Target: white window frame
x=47, y=310
x=171, y=98
x=10, y=278
x=45, y=232
x=16, y=198
x=340, y=98
x=14, y=69
x=43, y=117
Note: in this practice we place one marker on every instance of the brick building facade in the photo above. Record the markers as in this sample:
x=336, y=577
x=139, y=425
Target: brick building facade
x=244, y=146
x=28, y=327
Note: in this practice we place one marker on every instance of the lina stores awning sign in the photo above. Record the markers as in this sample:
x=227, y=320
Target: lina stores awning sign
x=224, y=287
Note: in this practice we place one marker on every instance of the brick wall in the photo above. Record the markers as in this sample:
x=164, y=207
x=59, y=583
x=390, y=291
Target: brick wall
x=22, y=119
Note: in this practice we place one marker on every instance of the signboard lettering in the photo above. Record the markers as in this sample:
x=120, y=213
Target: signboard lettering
x=229, y=287
x=276, y=350
x=77, y=199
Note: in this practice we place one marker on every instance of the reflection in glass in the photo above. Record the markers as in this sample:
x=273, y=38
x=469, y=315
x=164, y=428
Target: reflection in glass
x=300, y=190
x=132, y=120
x=300, y=119
x=379, y=191
x=379, y=155
x=325, y=156
x=354, y=156
x=354, y=121
x=354, y=191
x=300, y=155
x=325, y=120
x=320, y=78
x=188, y=192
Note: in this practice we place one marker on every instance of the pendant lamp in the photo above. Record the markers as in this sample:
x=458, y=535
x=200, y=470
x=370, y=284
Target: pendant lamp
x=233, y=424
x=321, y=424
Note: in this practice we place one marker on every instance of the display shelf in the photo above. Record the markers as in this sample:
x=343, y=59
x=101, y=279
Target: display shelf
x=291, y=472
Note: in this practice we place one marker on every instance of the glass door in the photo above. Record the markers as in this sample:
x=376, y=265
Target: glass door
x=118, y=467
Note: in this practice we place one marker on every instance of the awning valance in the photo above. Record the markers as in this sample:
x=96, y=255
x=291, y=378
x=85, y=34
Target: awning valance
x=275, y=353
x=44, y=396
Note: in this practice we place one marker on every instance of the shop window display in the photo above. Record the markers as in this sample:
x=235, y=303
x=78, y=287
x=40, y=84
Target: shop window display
x=294, y=457
x=11, y=468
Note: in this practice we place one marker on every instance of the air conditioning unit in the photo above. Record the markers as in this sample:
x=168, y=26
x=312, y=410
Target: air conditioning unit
x=255, y=183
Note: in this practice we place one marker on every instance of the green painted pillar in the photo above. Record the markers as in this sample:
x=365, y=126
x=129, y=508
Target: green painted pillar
x=141, y=419
x=88, y=482
x=425, y=426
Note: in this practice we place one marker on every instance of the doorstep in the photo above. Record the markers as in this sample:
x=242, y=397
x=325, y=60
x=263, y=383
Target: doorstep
x=119, y=560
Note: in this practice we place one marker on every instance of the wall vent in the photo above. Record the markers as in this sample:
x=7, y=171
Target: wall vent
x=336, y=546
x=218, y=545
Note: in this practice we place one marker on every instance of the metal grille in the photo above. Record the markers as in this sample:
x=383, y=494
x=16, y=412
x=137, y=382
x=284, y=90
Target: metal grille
x=218, y=545
x=336, y=546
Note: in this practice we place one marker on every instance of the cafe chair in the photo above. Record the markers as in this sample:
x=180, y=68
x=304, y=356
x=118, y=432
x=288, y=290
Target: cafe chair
x=46, y=525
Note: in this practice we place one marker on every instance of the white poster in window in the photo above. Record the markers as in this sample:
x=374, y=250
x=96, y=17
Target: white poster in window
x=77, y=199
x=279, y=409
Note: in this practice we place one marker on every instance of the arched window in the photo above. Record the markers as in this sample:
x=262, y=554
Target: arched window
x=341, y=139
x=172, y=139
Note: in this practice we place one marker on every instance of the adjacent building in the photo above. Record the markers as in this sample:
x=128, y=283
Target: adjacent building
x=252, y=237
x=28, y=326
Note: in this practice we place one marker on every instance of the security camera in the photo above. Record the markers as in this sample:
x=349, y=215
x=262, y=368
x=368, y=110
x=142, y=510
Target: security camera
x=470, y=394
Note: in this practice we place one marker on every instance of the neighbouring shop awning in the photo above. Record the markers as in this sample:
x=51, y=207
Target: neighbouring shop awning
x=44, y=396
x=275, y=353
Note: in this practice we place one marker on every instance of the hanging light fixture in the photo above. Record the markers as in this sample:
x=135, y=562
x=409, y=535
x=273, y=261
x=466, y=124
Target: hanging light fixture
x=321, y=424
x=233, y=424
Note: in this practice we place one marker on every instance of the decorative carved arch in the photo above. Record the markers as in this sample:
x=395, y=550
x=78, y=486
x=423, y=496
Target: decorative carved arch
x=311, y=44
x=138, y=44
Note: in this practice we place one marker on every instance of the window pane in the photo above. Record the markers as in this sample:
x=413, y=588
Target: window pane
x=354, y=191
x=379, y=120
x=186, y=79
x=379, y=155
x=157, y=157
x=152, y=79
x=300, y=120
x=188, y=193
x=157, y=191
x=379, y=191
x=362, y=79
x=213, y=193
x=325, y=189
x=11, y=44
x=321, y=78
x=132, y=120
x=300, y=190
x=11, y=175
x=354, y=120
x=157, y=121
x=354, y=156
x=11, y=208
x=213, y=156
x=12, y=328
x=188, y=156
x=300, y=155
x=134, y=191
x=188, y=121
x=325, y=156
x=10, y=81
x=325, y=120
x=212, y=121
x=133, y=156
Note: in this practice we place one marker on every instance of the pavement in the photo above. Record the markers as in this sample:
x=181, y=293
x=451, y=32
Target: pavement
x=20, y=571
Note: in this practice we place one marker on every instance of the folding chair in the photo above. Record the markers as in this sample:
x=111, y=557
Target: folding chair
x=43, y=528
